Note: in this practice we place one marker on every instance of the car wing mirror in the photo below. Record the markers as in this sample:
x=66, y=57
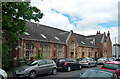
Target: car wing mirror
x=38, y=64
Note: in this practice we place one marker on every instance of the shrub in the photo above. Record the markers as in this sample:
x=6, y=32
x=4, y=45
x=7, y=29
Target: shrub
x=7, y=62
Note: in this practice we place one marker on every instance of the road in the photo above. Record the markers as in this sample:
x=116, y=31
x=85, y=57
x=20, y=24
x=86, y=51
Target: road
x=66, y=75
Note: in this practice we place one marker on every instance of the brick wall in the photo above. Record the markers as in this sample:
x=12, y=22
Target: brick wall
x=72, y=38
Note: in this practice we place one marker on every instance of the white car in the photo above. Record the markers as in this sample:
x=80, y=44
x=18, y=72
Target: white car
x=3, y=74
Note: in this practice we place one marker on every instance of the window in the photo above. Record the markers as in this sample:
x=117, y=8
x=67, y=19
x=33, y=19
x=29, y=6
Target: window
x=49, y=61
x=43, y=35
x=29, y=51
x=78, y=50
x=82, y=42
x=57, y=38
x=42, y=62
x=33, y=63
x=72, y=46
x=26, y=33
x=105, y=44
x=85, y=52
x=47, y=53
x=60, y=53
x=112, y=66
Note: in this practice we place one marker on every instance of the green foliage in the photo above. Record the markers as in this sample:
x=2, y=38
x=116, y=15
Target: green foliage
x=39, y=56
x=6, y=60
x=14, y=18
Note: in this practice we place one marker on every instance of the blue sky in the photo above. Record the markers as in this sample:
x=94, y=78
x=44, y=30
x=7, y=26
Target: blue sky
x=109, y=24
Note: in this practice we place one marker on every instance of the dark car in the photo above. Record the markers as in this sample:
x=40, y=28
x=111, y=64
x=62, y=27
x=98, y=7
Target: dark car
x=88, y=62
x=98, y=74
x=35, y=68
x=68, y=64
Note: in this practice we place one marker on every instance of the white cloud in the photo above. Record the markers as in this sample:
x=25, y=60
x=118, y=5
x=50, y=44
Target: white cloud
x=92, y=12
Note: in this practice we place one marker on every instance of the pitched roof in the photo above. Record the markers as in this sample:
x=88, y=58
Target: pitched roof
x=82, y=41
x=49, y=34
x=98, y=37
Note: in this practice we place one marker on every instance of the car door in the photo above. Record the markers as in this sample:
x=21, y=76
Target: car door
x=74, y=64
x=49, y=65
x=42, y=67
x=91, y=62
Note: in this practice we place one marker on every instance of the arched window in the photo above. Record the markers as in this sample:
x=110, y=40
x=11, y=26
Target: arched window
x=72, y=46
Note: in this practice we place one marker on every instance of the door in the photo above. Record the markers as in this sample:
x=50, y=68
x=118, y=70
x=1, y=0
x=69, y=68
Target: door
x=49, y=65
x=42, y=67
x=82, y=54
x=74, y=64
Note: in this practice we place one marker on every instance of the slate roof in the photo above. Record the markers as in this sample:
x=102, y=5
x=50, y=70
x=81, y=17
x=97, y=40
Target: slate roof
x=82, y=38
x=98, y=37
x=50, y=34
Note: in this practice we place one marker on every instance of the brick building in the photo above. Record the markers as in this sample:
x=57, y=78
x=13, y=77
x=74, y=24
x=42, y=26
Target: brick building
x=55, y=43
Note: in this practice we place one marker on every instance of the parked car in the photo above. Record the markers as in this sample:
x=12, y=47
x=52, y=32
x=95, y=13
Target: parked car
x=88, y=62
x=3, y=74
x=112, y=66
x=68, y=64
x=111, y=59
x=98, y=74
x=35, y=68
x=102, y=60
x=117, y=58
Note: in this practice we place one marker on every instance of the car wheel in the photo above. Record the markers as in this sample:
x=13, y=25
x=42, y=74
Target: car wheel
x=32, y=75
x=54, y=71
x=80, y=67
x=1, y=77
x=69, y=69
x=88, y=65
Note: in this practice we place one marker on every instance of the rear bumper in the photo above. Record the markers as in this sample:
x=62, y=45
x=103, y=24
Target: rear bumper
x=62, y=68
x=85, y=64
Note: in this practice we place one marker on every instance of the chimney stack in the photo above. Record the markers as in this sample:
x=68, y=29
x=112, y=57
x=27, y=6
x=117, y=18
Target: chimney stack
x=99, y=32
x=108, y=34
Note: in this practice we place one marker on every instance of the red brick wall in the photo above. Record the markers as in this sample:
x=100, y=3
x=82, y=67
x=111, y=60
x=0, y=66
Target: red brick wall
x=102, y=47
x=72, y=38
x=99, y=49
x=109, y=47
x=37, y=47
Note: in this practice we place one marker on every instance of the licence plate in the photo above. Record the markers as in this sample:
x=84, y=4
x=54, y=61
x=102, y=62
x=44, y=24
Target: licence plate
x=82, y=62
x=59, y=67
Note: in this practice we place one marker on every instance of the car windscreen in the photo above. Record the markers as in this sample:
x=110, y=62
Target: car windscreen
x=32, y=63
x=61, y=60
x=111, y=66
x=85, y=59
x=102, y=58
x=96, y=73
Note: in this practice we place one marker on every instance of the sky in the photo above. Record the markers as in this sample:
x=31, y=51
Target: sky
x=84, y=17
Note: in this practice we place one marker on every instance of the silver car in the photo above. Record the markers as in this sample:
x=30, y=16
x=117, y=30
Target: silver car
x=88, y=62
x=3, y=74
x=35, y=68
x=102, y=60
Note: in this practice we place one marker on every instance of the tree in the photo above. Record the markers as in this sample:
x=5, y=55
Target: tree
x=14, y=18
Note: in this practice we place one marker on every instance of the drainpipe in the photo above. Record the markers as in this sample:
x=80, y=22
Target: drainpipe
x=22, y=48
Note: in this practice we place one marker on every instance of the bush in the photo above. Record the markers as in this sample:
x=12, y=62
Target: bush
x=7, y=62
x=39, y=56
